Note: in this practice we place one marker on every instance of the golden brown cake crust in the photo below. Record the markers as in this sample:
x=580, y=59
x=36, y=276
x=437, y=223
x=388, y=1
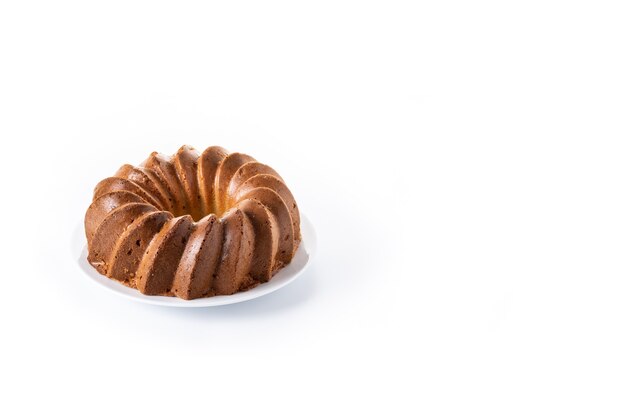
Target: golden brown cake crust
x=192, y=225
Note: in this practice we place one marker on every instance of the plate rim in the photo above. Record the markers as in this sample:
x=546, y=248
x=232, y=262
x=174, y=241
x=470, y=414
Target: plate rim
x=307, y=247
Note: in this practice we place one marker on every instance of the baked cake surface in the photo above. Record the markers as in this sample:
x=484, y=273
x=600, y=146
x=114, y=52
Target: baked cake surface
x=192, y=225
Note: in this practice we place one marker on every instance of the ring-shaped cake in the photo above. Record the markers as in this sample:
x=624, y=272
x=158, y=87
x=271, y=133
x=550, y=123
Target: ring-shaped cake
x=192, y=225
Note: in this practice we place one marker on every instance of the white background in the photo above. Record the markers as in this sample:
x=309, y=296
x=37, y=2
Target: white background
x=463, y=163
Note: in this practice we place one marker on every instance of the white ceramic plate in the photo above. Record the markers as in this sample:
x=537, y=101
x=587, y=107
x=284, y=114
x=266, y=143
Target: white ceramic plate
x=303, y=258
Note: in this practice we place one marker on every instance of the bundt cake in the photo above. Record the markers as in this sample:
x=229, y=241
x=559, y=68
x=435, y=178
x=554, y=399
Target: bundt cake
x=192, y=225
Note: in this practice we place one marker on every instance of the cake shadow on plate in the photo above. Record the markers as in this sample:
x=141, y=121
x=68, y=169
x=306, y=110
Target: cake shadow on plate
x=296, y=295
